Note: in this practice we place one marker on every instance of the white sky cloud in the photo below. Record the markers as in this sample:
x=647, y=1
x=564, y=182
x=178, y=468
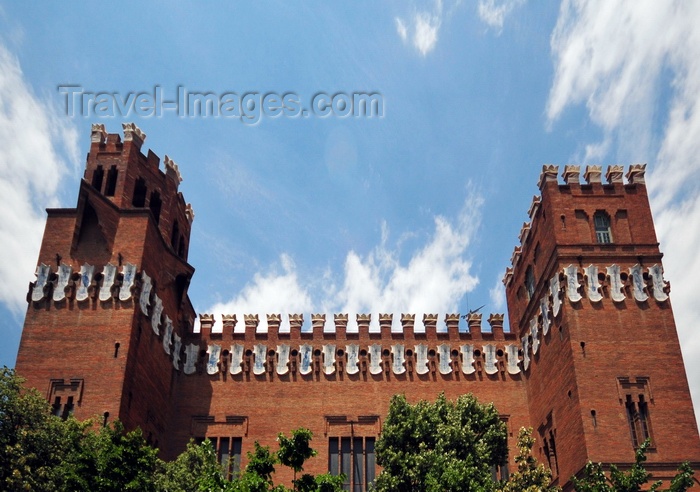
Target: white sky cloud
x=422, y=28
x=618, y=57
x=31, y=137
x=433, y=280
x=497, y=294
x=493, y=12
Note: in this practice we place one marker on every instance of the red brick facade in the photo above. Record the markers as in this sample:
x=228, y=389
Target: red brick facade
x=591, y=361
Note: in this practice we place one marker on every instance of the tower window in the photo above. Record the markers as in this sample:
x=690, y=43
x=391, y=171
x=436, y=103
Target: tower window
x=636, y=397
x=175, y=235
x=638, y=419
x=530, y=282
x=139, y=198
x=155, y=204
x=97, y=177
x=603, y=233
x=111, y=185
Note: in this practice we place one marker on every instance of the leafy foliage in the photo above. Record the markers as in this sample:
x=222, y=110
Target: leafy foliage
x=194, y=470
x=594, y=478
x=441, y=446
x=41, y=452
x=531, y=476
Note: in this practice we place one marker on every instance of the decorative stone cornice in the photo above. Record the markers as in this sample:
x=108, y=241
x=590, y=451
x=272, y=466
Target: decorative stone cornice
x=635, y=174
x=534, y=206
x=593, y=174
x=430, y=320
x=99, y=133
x=571, y=174
x=318, y=320
x=548, y=174
x=508, y=277
x=296, y=320
x=172, y=169
x=524, y=232
x=251, y=320
x=614, y=174
x=133, y=133
x=189, y=212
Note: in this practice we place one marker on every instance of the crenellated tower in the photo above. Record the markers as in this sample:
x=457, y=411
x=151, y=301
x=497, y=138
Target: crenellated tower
x=589, y=303
x=111, y=270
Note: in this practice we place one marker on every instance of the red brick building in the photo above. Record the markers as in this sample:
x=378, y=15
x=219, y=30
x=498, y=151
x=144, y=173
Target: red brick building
x=591, y=359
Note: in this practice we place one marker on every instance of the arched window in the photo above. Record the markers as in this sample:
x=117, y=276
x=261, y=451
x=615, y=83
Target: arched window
x=603, y=233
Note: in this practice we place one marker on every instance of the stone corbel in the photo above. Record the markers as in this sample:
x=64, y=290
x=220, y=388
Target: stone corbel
x=660, y=286
x=467, y=351
x=43, y=272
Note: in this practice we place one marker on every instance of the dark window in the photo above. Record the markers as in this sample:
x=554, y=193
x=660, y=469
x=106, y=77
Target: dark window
x=155, y=204
x=139, y=198
x=354, y=458
x=111, y=185
x=181, y=250
x=68, y=408
x=175, y=235
x=530, y=282
x=97, y=177
x=638, y=419
x=56, y=407
x=603, y=233
x=228, y=453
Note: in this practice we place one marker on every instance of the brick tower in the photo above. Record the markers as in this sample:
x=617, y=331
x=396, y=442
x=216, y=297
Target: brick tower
x=587, y=298
x=85, y=340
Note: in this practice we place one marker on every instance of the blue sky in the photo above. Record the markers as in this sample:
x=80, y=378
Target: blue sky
x=415, y=211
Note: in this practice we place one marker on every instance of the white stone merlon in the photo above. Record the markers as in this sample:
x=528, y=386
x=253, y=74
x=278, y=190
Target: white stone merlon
x=99, y=133
x=549, y=173
x=534, y=206
x=614, y=174
x=635, y=174
x=133, y=133
x=171, y=169
x=593, y=174
x=571, y=174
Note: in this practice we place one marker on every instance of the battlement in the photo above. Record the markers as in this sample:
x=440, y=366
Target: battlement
x=342, y=326
x=118, y=170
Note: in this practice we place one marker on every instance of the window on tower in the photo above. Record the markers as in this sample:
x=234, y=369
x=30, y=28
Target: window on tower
x=530, y=282
x=111, y=185
x=603, y=233
x=636, y=396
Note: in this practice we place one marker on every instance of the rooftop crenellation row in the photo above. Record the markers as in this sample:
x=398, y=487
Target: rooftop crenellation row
x=342, y=325
x=593, y=174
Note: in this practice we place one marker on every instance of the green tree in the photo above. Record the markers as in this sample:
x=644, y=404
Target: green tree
x=195, y=470
x=295, y=450
x=595, y=479
x=33, y=443
x=441, y=446
x=531, y=476
x=110, y=459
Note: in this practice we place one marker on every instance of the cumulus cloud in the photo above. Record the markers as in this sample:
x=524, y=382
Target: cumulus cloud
x=33, y=143
x=422, y=28
x=622, y=59
x=493, y=12
x=433, y=280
